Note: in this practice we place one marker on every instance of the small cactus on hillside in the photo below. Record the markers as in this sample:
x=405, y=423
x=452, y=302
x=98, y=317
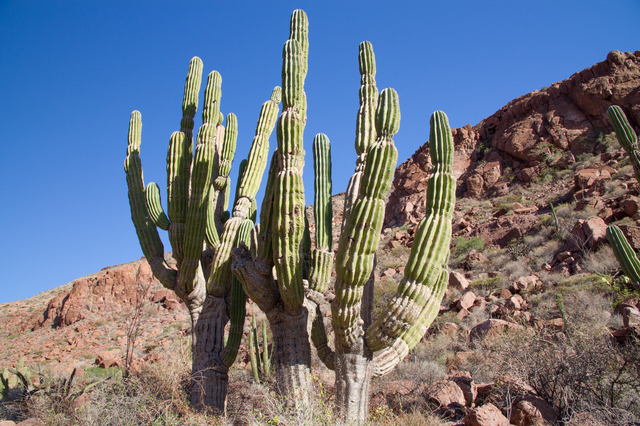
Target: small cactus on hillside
x=624, y=253
x=626, y=136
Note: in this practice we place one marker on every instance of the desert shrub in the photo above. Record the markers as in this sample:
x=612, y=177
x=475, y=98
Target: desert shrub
x=419, y=369
x=463, y=246
x=386, y=417
x=401, y=252
x=614, y=188
x=602, y=261
x=487, y=285
x=544, y=253
x=517, y=268
x=573, y=371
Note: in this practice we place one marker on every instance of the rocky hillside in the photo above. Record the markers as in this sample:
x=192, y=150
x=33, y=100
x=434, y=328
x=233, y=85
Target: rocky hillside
x=549, y=127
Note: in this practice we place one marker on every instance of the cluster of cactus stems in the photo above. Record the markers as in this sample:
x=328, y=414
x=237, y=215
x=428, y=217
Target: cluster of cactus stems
x=224, y=257
x=625, y=254
x=626, y=136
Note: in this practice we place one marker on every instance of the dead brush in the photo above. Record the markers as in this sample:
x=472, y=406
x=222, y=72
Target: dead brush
x=575, y=370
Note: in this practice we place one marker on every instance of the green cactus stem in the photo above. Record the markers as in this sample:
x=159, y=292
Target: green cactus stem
x=359, y=241
x=626, y=136
x=219, y=280
x=180, y=151
x=266, y=357
x=200, y=183
x=365, y=123
x=417, y=300
x=253, y=358
x=150, y=242
x=154, y=206
x=624, y=253
x=322, y=255
x=288, y=201
x=238, y=304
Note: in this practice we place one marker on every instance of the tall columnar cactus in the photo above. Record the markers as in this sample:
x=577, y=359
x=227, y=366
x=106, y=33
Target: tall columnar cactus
x=198, y=191
x=625, y=254
x=271, y=261
x=626, y=136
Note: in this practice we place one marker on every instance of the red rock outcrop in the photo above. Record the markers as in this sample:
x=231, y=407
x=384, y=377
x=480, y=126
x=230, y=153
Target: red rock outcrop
x=109, y=289
x=540, y=128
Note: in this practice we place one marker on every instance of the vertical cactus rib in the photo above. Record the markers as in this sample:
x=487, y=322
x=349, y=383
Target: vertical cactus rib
x=417, y=300
x=626, y=136
x=150, y=242
x=238, y=302
x=154, y=206
x=322, y=255
x=358, y=242
x=624, y=253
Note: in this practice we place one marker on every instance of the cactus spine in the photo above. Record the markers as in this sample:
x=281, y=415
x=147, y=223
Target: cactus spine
x=625, y=254
x=626, y=136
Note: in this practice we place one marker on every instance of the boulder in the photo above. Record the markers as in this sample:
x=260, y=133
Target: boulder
x=486, y=415
x=446, y=394
x=107, y=359
x=589, y=233
x=466, y=301
x=524, y=284
x=492, y=327
x=532, y=411
x=458, y=281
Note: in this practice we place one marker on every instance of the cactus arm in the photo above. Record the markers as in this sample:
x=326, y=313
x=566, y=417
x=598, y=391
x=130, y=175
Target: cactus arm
x=418, y=297
x=179, y=158
x=220, y=277
x=624, y=253
x=211, y=233
x=322, y=255
x=242, y=167
x=365, y=122
x=358, y=242
x=154, y=206
x=306, y=249
x=288, y=201
x=148, y=237
x=264, y=255
x=259, y=152
x=238, y=303
x=624, y=132
x=626, y=136
x=201, y=180
x=221, y=185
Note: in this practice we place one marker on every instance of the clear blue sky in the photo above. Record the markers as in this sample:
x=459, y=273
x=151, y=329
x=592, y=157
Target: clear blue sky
x=71, y=72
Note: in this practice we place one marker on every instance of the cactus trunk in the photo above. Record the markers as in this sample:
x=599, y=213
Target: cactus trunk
x=292, y=355
x=209, y=374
